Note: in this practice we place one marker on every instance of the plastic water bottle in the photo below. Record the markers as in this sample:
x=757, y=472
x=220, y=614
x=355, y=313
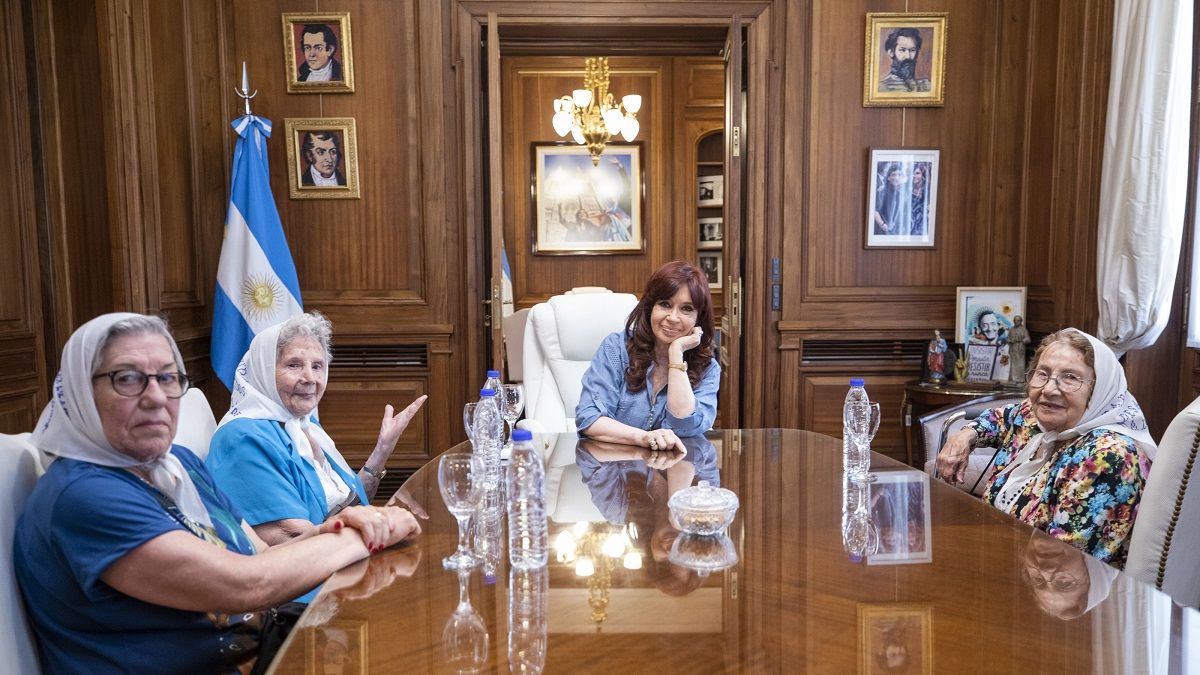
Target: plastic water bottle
x=488, y=536
x=528, y=538
x=856, y=421
x=494, y=383
x=487, y=436
x=528, y=595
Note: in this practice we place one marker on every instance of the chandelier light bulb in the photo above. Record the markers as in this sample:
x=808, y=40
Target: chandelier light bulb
x=561, y=122
x=630, y=128
x=633, y=560
x=614, y=545
x=583, y=97
x=612, y=120
x=577, y=136
x=632, y=102
x=584, y=567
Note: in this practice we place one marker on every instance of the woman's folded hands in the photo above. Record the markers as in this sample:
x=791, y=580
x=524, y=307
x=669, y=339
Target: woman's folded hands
x=379, y=527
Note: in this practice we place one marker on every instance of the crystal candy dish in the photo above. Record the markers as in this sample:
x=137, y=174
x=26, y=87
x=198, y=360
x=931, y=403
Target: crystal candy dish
x=703, y=509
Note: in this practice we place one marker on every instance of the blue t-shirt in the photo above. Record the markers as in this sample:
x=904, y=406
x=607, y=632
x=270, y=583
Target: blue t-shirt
x=79, y=520
x=256, y=465
x=605, y=394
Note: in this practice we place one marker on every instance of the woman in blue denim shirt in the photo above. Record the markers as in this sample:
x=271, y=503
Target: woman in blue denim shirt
x=657, y=380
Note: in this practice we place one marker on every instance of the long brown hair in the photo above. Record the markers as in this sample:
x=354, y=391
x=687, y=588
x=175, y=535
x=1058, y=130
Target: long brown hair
x=639, y=337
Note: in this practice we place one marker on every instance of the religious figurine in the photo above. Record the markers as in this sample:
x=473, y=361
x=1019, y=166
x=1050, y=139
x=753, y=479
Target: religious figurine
x=935, y=359
x=1018, y=337
x=960, y=367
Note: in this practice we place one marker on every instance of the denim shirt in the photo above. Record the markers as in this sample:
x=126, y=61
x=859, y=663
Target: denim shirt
x=605, y=394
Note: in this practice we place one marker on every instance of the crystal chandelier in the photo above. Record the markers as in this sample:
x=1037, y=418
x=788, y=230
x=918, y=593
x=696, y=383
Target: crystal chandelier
x=592, y=116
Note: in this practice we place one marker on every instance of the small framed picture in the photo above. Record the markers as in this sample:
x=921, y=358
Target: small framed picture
x=579, y=207
x=710, y=190
x=905, y=59
x=710, y=264
x=984, y=315
x=316, y=53
x=341, y=643
x=710, y=232
x=900, y=513
x=902, y=188
x=322, y=158
x=895, y=638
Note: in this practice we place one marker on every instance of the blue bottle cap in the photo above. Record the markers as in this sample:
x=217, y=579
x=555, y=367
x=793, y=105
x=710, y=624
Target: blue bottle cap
x=856, y=382
x=855, y=558
x=487, y=391
x=489, y=579
x=494, y=373
x=522, y=435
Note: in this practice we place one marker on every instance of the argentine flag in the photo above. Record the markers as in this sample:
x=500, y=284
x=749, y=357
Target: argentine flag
x=256, y=279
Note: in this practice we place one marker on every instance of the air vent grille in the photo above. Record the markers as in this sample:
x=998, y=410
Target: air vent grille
x=408, y=357
x=829, y=351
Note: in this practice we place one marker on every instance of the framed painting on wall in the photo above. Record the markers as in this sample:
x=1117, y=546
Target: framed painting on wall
x=712, y=266
x=581, y=208
x=317, y=54
x=341, y=643
x=322, y=158
x=895, y=638
x=902, y=185
x=710, y=232
x=905, y=59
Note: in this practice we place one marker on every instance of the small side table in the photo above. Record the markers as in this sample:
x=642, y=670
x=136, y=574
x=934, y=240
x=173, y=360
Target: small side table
x=921, y=397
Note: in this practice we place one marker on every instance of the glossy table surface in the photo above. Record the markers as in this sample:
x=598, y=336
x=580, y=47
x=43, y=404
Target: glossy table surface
x=955, y=586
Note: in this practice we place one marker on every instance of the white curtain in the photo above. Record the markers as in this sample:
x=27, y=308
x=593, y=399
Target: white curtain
x=1144, y=181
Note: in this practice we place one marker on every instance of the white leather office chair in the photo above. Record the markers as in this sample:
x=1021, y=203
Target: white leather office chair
x=1164, y=550
x=568, y=500
x=937, y=426
x=18, y=474
x=560, y=340
x=514, y=344
x=196, y=423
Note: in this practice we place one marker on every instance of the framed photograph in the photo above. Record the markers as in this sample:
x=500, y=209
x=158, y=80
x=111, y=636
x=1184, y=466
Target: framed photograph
x=896, y=638
x=983, y=317
x=581, y=208
x=710, y=190
x=322, y=158
x=710, y=232
x=905, y=59
x=900, y=513
x=902, y=186
x=316, y=53
x=710, y=264
x=339, y=646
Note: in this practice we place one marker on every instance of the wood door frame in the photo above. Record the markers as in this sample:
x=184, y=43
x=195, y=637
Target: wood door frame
x=470, y=21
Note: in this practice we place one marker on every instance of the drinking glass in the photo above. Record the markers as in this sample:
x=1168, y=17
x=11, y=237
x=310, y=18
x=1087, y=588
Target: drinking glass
x=860, y=537
x=513, y=404
x=460, y=477
x=469, y=420
x=861, y=424
x=465, y=637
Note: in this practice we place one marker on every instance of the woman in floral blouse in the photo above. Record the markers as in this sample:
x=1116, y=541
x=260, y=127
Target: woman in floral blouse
x=1073, y=457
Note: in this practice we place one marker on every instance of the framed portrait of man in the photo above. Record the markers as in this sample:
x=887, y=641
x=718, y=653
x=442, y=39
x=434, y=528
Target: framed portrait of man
x=713, y=267
x=338, y=646
x=710, y=232
x=895, y=638
x=579, y=207
x=984, y=315
x=317, y=53
x=902, y=188
x=905, y=59
x=322, y=158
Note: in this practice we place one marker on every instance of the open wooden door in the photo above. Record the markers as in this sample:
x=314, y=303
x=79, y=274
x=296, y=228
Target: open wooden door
x=495, y=311
x=730, y=330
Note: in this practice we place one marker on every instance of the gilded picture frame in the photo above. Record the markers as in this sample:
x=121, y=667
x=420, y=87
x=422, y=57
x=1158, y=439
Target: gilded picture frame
x=904, y=62
x=322, y=155
x=318, y=53
x=579, y=208
x=342, y=643
x=895, y=638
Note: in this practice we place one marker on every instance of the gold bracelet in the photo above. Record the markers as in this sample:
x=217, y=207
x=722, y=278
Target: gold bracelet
x=681, y=367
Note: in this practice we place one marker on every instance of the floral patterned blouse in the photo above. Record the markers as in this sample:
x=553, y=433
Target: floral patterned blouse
x=1087, y=492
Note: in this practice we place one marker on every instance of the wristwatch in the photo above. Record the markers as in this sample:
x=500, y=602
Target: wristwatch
x=377, y=475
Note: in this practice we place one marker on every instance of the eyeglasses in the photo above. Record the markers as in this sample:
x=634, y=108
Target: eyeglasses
x=134, y=382
x=1060, y=581
x=1067, y=382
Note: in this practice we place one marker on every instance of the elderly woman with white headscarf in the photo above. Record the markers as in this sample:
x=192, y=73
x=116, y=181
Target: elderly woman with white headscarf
x=271, y=456
x=1073, y=457
x=128, y=556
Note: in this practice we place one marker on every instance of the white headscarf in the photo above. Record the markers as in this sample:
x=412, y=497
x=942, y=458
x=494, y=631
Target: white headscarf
x=70, y=424
x=1111, y=407
x=255, y=396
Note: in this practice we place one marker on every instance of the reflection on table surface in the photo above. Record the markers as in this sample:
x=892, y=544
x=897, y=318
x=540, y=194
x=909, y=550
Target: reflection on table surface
x=948, y=585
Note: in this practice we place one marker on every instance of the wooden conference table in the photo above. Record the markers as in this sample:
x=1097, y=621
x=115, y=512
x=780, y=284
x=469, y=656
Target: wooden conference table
x=948, y=591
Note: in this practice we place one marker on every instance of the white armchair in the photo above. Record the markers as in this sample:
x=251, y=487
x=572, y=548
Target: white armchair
x=19, y=470
x=939, y=424
x=560, y=340
x=196, y=423
x=1164, y=550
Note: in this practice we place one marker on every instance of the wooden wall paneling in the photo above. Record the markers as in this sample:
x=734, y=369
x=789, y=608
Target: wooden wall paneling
x=823, y=391
x=23, y=374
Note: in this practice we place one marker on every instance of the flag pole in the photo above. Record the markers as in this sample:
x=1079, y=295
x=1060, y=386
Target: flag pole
x=244, y=92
